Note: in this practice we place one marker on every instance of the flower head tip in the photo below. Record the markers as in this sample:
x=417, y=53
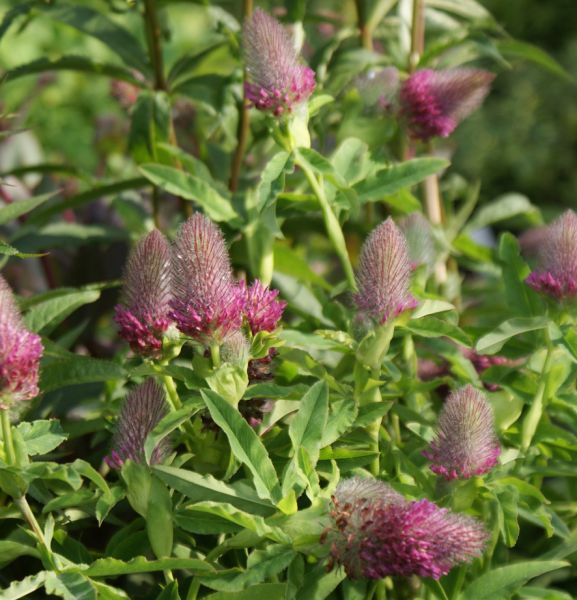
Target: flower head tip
x=278, y=80
x=466, y=443
x=142, y=410
x=556, y=275
x=384, y=273
x=142, y=315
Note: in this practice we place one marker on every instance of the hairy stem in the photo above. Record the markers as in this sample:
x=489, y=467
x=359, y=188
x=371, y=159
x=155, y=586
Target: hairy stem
x=364, y=27
x=7, y=438
x=243, y=121
x=153, y=37
x=535, y=412
x=331, y=223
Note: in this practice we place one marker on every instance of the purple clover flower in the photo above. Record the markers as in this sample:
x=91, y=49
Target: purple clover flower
x=278, y=81
x=142, y=410
x=262, y=309
x=384, y=273
x=20, y=353
x=557, y=272
x=376, y=533
x=433, y=103
x=208, y=304
x=466, y=443
x=143, y=313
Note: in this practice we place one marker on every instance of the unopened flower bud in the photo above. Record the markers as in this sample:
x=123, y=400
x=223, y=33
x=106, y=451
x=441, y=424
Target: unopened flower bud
x=466, y=443
x=143, y=313
x=278, y=81
x=384, y=273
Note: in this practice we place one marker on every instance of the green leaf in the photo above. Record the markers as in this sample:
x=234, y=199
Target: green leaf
x=510, y=48
x=159, y=519
x=499, y=584
x=396, y=177
x=112, y=567
x=272, y=179
x=431, y=327
x=431, y=307
x=229, y=513
x=494, y=341
x=170, y=592
x=149, y=125
x=351, y=160
x=10, y=550
x=307, y=427
x=205, y=487
x=286, y=260
x=261, y=565
x=8, y=250
x=24, y=587
x=503, y=208
x=138, y=479
x=190, y=187
x=94, y=193
x=318, y=584
x=97, y=25
x=44, y=317
x=82, y=64
x=320, y=165
x=515, y=270
x=70, y=586
x=21, y=207
x=245, y=445
x=75, y=370
x=263, y=591
x=41, y=436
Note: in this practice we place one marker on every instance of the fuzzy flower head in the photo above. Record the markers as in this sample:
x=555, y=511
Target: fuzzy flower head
x=142, y=315
x=262, y=309
x=557, y=272
x=376, y=533
x=142, y=410
x=466, y=443
x=433, y=103
x=208, y=304
x=278, y=80
x=384, y=273
x=20, y=353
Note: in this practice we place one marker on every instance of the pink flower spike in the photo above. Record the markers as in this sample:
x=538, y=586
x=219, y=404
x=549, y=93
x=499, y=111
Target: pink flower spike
x=384, y=273
x=142, y=315
x=142, y=410
x=466, y=443
x=207, y=303
x=556, y=275
x=376, y=533
x=20, y=353
x=277, y=81
x=262, y=309
x=433, y=103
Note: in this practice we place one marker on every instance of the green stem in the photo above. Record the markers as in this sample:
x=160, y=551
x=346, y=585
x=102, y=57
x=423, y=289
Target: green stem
x=170, y=387
x=153, y=37
x=243, y=121
x=331, y=223
x=535, y=412
x=7, y=437
x=364, y=29
x=215, y=355
x=21, y=501
x=193, y=589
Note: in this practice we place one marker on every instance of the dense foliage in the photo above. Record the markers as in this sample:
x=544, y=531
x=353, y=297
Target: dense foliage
x=259, y=338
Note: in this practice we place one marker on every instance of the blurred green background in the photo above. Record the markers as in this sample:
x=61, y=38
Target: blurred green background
x=524, y=139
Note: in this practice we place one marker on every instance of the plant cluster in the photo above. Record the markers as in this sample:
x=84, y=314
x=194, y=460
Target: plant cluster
x=320, y=375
